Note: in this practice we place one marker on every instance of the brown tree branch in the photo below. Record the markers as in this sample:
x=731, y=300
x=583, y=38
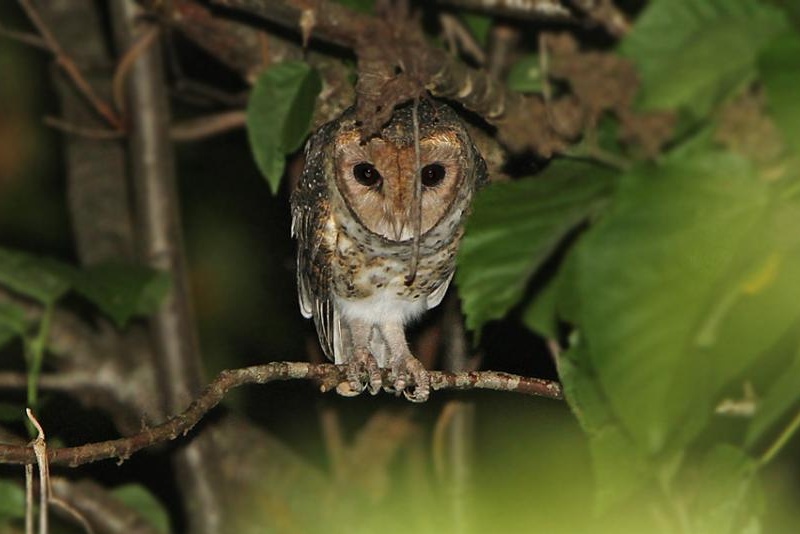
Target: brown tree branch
x=328, y=375
x=178, y=365
x=521, y=9
x=523, y=121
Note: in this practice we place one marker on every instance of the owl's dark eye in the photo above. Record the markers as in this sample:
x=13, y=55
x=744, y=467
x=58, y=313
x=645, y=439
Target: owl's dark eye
x=432, y=175
x=366, y=174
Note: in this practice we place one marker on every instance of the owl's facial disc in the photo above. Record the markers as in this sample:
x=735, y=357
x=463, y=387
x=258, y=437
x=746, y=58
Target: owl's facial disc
x=378, y=180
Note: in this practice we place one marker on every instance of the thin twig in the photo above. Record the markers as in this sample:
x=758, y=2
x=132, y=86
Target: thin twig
x=126, y=62
x=69, y=67
x=63, y=381
x=82, y=131
x=24, y=38
x=202, y=127
x=606, y=14
x=544, y=68
x=71, y=511
x=29, y=499
x=39, y=446
x=417, y=205
x=460, y=38
x=328, y=375
x=503, y=41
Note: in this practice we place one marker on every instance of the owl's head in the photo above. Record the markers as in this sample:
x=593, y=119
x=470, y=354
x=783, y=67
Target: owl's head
x=378, y=177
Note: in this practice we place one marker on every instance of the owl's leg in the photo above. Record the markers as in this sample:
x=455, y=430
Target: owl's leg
x=361, y=368
x=406, y=370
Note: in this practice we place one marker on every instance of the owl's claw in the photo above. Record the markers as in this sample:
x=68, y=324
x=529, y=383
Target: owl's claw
x=362, y=373
x=409, y=371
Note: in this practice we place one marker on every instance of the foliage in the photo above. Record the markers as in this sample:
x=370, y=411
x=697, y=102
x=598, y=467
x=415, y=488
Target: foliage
x=683, y=285
x=121, y=291
x=279, y=115
x=12, y=500
x=138, y=498
x=525, y=75
x=705, y=50
x=516, y=226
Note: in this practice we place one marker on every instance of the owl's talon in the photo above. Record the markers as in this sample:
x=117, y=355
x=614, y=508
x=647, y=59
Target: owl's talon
x=375, y=381
x=417, y=394
x=422, y=386
x=362, y=372
x=345, y=389
x=410, y=378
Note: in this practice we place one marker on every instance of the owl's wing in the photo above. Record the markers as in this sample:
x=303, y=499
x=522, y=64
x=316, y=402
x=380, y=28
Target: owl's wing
x=310, y=211
x=314, y=276
x=436, y=296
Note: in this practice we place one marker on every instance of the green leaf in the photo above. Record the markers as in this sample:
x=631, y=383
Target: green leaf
x=723, y=490
x=12, y=322
x=525, y=75
x=140, y=499
x=42, y=279
x=683, y=284
x=12, y=500
x=618, y=468
x=279, y=115
x=122, y=291
x=581, y=389
x=619, y=471
x=779, y=64
x=479, y=25
x=514, y=228
x=692, y=54
x=541, y=314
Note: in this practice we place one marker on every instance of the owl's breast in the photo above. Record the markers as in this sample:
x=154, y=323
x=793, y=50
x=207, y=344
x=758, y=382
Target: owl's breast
x=369, y=274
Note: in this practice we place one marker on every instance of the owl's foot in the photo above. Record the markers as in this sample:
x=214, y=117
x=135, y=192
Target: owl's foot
x=410, y=377
x=362, y=373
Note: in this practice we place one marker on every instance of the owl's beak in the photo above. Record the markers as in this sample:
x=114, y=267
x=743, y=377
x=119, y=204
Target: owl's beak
x=398, y=225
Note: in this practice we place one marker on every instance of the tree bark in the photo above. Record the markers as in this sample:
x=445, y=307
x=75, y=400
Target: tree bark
x=178, y=363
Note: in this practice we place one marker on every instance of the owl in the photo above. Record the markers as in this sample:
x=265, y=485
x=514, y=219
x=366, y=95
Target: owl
x=378, y=230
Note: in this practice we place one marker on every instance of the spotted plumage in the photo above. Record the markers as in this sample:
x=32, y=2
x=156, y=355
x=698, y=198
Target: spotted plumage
x=354, y=216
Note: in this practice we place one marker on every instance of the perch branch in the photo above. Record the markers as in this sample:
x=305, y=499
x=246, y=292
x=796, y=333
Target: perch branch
x=328, y=375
